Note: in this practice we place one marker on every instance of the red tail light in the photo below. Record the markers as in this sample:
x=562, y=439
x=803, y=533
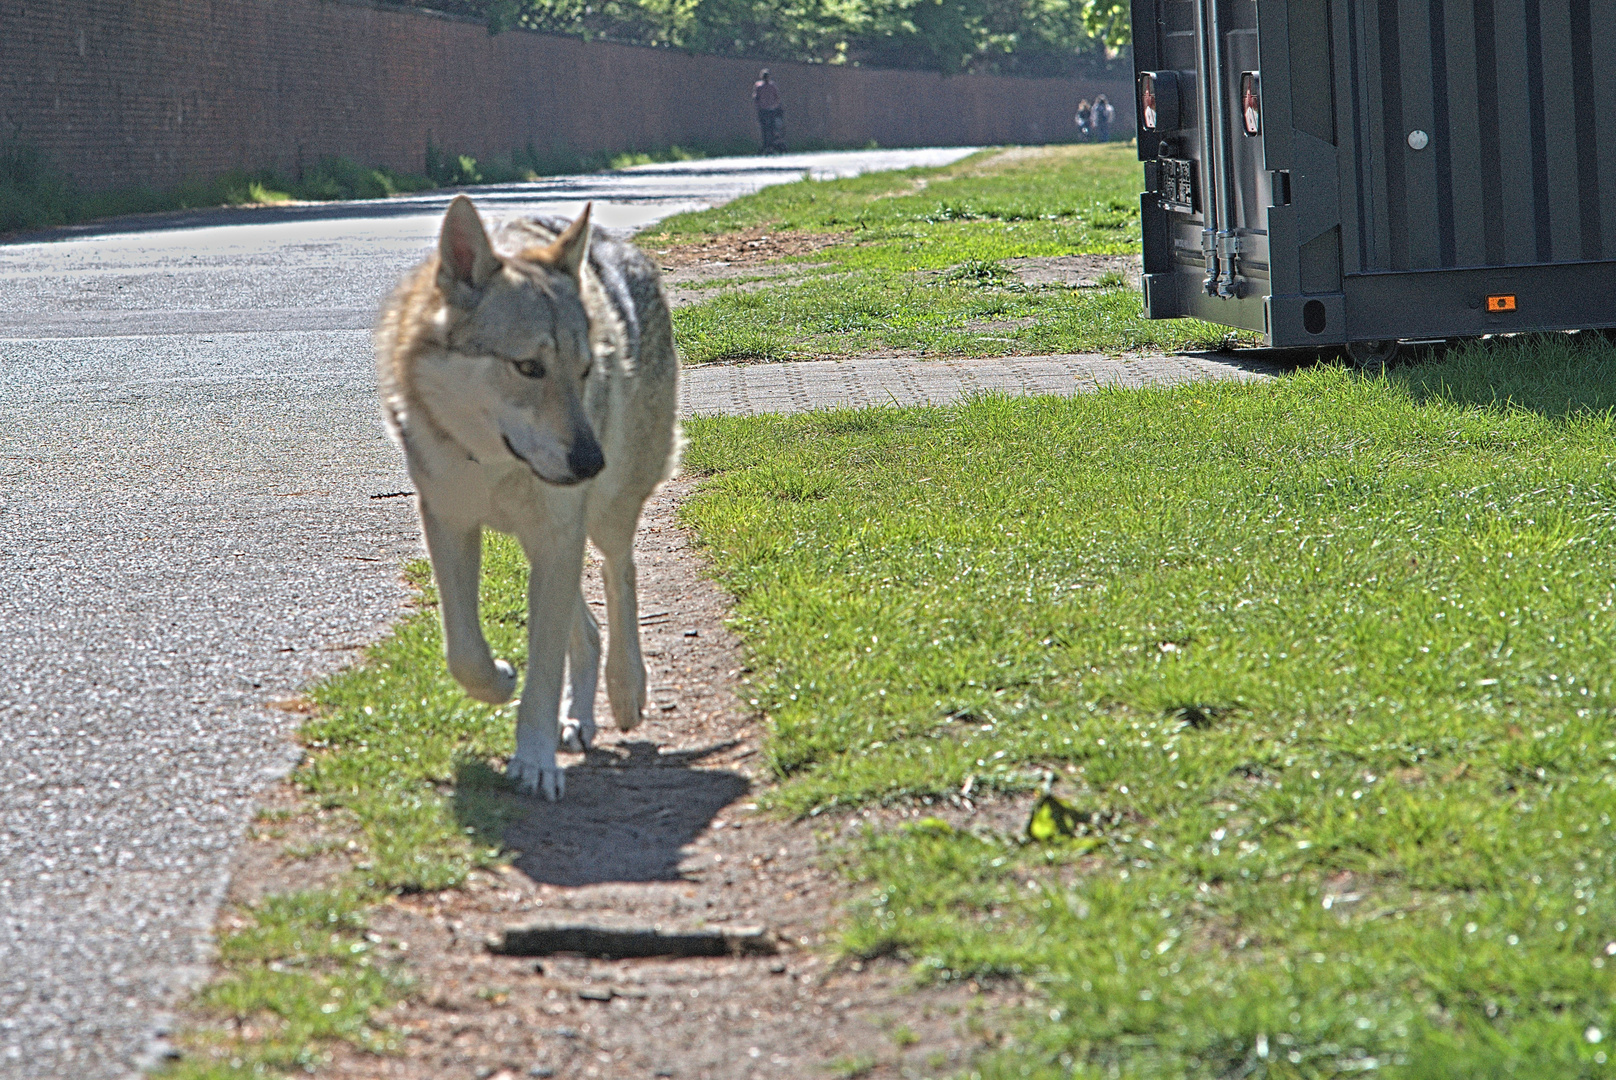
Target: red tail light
x=1147, y=99
x=1251, y=102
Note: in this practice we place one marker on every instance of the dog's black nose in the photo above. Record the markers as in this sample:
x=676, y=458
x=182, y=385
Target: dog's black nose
x=585, y=458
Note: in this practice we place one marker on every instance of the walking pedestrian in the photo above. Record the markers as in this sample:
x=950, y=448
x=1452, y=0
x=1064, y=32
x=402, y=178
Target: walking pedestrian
x=771, y=117
x=1085, y=114
x=1100, y=119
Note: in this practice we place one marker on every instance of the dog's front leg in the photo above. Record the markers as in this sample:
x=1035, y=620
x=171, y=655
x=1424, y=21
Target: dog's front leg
x=557, y=556
x=456, y=550
x=583, y=673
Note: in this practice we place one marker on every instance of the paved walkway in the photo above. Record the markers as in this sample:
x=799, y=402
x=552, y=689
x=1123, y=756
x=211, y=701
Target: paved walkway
x=748, y=389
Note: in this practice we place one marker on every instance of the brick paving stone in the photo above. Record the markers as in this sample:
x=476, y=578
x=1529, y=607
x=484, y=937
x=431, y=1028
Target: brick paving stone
x=801, y=385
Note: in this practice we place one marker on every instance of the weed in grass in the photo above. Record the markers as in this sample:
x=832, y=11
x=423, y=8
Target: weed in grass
x=1357, y=817
x=851, y=1068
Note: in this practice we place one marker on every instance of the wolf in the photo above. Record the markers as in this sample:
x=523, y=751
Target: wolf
x=532, y=382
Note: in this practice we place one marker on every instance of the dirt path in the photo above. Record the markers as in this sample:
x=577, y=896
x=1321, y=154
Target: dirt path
x=658, y=828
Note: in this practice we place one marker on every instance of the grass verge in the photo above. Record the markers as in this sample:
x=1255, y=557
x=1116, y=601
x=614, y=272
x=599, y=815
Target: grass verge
x=920, y=263
x=298, y=972
x=398, y=779
x=34, y=196
x=1324, y=664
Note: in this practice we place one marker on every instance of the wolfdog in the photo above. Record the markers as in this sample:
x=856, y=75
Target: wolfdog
x=532, y=383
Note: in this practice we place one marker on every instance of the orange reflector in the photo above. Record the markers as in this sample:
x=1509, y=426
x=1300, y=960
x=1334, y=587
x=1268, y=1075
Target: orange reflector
x=1501, y=303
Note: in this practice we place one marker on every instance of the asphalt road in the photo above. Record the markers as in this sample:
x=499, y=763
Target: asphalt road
x=194, y=523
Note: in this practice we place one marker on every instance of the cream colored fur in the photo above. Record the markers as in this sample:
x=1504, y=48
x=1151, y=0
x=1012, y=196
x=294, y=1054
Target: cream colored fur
x=532, y=382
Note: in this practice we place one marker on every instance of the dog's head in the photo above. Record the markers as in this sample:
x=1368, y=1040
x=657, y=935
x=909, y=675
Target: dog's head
x=507, y=381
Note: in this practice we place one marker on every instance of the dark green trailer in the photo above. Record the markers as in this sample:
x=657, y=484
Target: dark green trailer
x=1366, y=171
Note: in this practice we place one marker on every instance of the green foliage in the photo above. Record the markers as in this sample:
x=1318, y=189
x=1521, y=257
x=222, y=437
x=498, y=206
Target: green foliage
x=1032, y=37
x=1322, y=665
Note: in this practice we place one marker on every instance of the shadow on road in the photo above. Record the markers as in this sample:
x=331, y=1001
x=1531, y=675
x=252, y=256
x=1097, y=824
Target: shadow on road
x=628, y=814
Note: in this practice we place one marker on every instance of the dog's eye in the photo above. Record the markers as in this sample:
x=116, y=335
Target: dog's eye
x=532, y=369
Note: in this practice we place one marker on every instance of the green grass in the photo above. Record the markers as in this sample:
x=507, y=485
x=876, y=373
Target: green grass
x=1325, y=662
x=991, y=205
x=400, y=749
x=853, y=314
x=402, y=758
x=920, y=264
x=299, y=975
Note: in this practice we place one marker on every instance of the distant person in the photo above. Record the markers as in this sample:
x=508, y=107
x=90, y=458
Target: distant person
x=1100, y=119
x=1085, y=116
x=771, y=117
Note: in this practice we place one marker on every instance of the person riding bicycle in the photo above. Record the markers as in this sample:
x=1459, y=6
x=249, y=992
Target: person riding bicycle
x=766, y=96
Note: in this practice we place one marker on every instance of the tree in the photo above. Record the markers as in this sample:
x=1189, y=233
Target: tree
x=1029, y=37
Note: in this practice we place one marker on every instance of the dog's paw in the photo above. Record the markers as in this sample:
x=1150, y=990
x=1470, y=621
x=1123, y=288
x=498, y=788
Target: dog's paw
x=532, y=778
x=577, y=735
x=496, y=692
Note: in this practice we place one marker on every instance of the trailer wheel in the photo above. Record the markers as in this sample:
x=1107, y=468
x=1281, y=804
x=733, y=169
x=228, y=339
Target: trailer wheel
x=1372, y=356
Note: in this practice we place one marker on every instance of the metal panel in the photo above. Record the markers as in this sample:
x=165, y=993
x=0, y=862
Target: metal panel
x=1602, y=72
x=1418, y=232
x=1338, y=225
x=1560, y=130
x=1463, y=213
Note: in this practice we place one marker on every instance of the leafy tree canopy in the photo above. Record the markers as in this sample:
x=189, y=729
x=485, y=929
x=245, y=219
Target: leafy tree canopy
x=1021, y=37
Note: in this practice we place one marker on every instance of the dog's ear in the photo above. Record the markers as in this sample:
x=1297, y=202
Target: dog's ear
x=568, y=251
x=465, y=257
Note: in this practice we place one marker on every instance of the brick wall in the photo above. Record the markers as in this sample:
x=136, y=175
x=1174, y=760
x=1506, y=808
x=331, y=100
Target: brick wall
x=157, y=91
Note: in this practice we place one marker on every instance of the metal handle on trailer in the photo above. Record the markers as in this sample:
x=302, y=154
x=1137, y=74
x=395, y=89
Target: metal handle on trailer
x=1220, y=243
x=1211, y=203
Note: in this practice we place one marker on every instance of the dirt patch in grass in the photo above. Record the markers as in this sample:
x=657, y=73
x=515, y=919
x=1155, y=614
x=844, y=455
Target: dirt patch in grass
x=746, y=247
x=659, y=828
x=693, y=284
x=1077, y=271
x=997, y=326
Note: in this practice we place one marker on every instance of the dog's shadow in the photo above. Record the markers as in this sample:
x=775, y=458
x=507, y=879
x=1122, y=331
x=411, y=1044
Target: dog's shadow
x=628, y=813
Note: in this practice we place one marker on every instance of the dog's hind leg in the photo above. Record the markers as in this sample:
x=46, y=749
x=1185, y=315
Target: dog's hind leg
x=456, y=552
x=583, y=670
x=556, y=553
x=613, y=533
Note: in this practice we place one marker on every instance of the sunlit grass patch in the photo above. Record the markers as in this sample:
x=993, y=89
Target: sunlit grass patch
x=921, y=266
x=300, y=973
x=402, y=757
x=1326, y=662
x=847, y=315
